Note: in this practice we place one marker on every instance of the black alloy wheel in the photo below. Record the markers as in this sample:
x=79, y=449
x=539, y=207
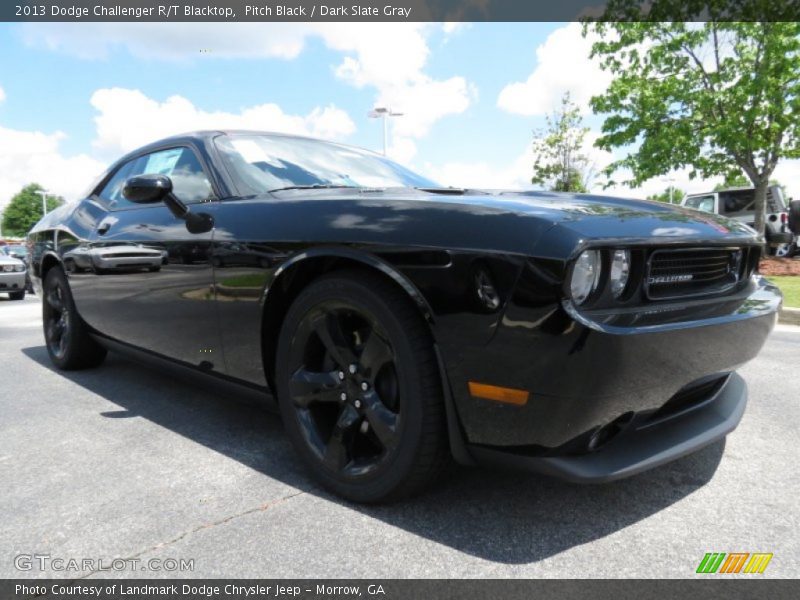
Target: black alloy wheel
x=345, y=388
x=56, y=317
x=359, y=389
x=66, y=335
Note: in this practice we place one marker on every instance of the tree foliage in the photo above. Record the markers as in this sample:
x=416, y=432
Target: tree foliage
x=732, y=181
x=559, y=163
x=718, y=97
x=671, y=194
x=25, y=210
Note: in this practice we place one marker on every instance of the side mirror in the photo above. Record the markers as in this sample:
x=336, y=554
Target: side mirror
x=149, y=189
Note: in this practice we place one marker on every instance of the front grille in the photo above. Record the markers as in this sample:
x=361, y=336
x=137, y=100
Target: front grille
x=692, y=272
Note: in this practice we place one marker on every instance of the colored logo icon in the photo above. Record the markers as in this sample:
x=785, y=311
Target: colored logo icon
x=734, y=562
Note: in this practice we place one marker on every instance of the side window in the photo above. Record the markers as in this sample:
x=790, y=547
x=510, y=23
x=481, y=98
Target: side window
x=111, y=193
x=704, y=203
x=189, y=181
x=774, y=202
x=735, y=202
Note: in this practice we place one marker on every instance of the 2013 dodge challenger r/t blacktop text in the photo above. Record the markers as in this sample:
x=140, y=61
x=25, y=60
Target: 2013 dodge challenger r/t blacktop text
x=397, y=324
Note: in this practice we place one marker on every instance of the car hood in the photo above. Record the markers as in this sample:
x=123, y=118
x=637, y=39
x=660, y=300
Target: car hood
x=608, y=217
x=10, y=260
x=587, y=215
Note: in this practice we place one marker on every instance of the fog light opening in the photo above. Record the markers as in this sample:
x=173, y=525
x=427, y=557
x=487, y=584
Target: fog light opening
x=603, y=435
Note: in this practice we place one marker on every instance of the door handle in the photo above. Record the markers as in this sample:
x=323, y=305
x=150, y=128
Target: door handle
x=103, y=228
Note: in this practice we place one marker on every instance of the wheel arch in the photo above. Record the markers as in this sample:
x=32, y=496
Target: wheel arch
x=300, y=270
x=49, y=260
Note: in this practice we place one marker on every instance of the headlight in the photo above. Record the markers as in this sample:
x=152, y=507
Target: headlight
x=8, y=268
x=19, y=268
x=620, y=270
x=585, y=276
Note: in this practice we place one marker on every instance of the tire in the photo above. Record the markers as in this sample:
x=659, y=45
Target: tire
x=17, y=295
x=794, y=216
x=779, y=238
x=66, y=335
x=386, y=441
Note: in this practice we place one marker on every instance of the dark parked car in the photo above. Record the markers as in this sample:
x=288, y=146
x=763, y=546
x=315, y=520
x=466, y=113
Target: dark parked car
x=397, y=324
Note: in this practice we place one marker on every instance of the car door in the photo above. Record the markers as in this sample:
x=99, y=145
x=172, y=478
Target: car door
x=154, y=277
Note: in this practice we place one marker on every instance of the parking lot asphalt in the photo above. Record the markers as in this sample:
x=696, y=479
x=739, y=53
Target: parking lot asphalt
x=127, y=462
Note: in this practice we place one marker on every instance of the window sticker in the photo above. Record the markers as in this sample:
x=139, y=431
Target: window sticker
x=163, y=163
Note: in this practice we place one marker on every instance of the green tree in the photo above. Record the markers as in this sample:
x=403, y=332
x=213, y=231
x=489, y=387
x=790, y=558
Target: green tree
x=720, y=97
x=559, y=163
x=25, y=209
x=732, y=181
x=671, y=194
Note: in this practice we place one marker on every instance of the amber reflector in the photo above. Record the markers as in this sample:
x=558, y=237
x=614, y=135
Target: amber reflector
x=498, y=394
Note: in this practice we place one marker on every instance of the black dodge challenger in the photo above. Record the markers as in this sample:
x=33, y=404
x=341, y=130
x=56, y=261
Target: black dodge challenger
x=397, y=324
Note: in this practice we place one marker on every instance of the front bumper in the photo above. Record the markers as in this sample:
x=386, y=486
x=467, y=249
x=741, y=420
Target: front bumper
x=585, y=371
x=12, y=282
x=128, y=262
x=643, y=447
x=778, y=238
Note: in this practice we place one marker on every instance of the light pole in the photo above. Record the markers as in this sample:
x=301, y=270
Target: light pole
x=381, y=112
x=44, y=194
x=671, y=188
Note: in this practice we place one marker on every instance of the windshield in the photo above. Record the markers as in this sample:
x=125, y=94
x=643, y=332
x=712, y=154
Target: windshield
x=266, y=163
x=15, y=249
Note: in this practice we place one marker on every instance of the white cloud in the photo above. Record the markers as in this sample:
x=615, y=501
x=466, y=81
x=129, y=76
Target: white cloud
x=128, y=119
x=425, y=101
x=36, y=157
x=451, y=27
x=392, y=58
x=679, y=179
x=402, y=150
x=170, y=42
x=389, y=57
x=515, y=174
x=32, y=156
x=481, y=174
x=563, y=65
x=787, y=173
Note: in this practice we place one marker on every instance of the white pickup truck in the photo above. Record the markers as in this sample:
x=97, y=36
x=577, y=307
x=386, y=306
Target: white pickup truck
x=783, y=217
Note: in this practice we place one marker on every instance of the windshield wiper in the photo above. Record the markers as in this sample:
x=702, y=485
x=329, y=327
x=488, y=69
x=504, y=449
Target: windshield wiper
x=313, y=186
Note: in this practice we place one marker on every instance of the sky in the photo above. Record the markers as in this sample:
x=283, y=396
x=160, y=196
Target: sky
x=76, y=96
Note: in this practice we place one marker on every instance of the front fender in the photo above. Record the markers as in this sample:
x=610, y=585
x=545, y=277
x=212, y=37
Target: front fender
x=354, y=255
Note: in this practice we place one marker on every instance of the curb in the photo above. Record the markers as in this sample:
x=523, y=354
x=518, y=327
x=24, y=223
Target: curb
x=789, y=316
x=240, y=292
